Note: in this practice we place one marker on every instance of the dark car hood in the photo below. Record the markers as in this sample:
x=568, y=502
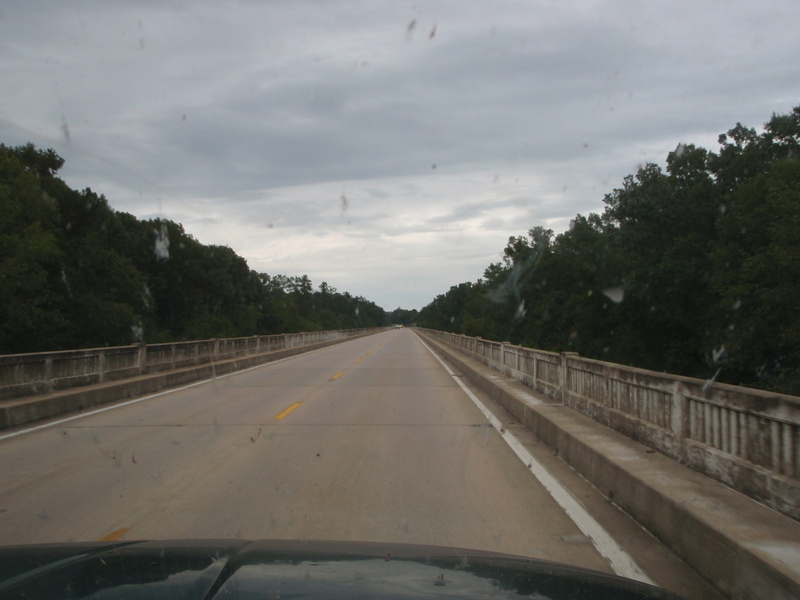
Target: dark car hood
x=240, y=569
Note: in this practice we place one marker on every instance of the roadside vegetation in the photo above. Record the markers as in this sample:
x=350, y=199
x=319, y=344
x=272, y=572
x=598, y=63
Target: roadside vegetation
x=74, y=273
x=693, y=269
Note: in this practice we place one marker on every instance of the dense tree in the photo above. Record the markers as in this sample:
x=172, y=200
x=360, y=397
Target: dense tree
x=30, y=257
x=75, y=273
x=400, y=316
x=694, y=269
x=661, y=229
x=757, y=276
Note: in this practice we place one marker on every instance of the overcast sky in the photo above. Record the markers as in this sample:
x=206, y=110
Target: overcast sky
x=389, y=148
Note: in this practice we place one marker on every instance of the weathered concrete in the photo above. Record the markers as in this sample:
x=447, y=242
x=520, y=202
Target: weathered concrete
x=748, y=439
x=391, y=450
x=745, y=549
x=43, y=372
x=20, y=411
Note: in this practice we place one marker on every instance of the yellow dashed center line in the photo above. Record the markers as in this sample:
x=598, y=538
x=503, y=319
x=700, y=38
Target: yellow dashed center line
x=356, y=361
x=287, y=411
x=115, y=535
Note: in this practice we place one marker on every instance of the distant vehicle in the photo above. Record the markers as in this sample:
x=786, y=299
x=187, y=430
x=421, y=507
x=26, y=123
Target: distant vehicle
x=398, y=326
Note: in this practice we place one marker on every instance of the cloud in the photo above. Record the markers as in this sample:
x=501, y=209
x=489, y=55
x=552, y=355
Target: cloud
x=249, y=121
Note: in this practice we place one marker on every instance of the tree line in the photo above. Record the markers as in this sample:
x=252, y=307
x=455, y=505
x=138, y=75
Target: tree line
x=693, y=269
x=74, y=273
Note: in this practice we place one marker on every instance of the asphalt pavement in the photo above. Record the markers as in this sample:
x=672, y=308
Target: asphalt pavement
x=369, y=440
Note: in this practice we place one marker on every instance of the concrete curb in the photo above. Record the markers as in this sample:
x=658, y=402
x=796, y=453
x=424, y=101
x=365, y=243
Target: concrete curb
x=743, y=548
x=21, y=411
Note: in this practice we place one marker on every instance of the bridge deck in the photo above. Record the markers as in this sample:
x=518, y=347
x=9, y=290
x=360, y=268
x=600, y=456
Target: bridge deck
x=373, y=440
x=745, y=548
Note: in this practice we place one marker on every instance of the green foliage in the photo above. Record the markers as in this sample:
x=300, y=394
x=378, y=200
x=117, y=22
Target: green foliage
x=400, y=316
x=757, y=276
x=30, y=257
x=75, y=273
x=694, y=270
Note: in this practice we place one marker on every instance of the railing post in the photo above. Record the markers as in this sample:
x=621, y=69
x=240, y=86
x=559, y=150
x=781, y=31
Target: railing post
x=505, y=349
x=775, y=446
x=49, y=384
x=563, y=376
x=141, y=358
x=679, y=422
x=101, y=366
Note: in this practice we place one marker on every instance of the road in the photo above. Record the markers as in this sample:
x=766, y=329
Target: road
x=367, y=440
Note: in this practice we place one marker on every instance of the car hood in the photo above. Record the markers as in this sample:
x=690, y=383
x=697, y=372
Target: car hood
x=242, y=569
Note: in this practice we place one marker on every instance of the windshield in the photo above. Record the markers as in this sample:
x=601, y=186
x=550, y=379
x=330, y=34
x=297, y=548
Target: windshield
x=608, y=178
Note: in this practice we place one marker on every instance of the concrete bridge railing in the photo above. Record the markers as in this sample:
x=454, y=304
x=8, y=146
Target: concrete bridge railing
x=38, y=373
x=748, y=439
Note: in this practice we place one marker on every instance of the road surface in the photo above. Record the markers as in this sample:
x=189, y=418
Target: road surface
x=368, y=440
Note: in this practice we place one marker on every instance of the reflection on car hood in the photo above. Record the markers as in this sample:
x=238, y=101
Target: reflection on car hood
x=240, y=569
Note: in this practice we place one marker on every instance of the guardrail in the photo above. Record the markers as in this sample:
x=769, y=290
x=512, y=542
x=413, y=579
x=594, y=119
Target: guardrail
x=746, y=438
x=42, y=372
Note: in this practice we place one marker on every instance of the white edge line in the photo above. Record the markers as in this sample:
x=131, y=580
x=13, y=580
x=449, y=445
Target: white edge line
x=621, y=562
x=6, y=436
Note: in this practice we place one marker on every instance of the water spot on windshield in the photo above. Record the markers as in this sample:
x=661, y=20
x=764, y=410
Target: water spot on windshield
x=65, y=129
x=615, y=294
x=717, y=354
x=216, y=429
x=521, y=312
x=162, y=243
x=146, y=296
x=65, y=279
x=410, y=29
x=710, y=382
